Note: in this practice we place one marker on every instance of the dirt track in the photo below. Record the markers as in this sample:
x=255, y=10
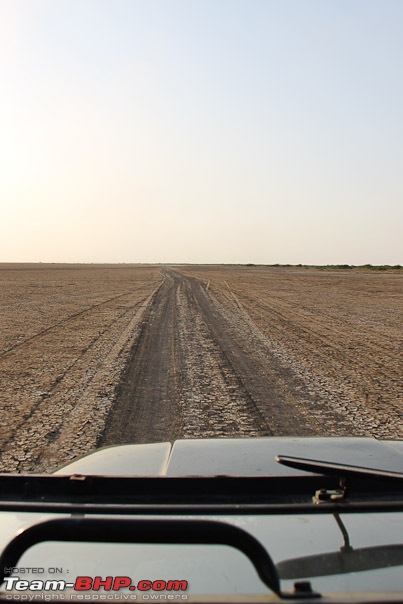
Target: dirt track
x=197, y=371
x=106, y=355
x=241, y=358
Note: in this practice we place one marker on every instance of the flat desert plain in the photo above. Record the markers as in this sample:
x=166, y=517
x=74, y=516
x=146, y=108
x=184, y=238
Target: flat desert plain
x=94, y=355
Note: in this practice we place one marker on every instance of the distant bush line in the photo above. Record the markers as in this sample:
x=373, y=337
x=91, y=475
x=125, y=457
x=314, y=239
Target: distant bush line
x=371, y=267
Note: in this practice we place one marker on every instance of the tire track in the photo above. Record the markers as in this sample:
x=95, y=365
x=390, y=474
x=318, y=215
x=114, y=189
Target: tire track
x=192, y=375
x=345, y=371
x=214, y=398
x=350, y=378
x=89, y=413
x=178, y=383
x=36, y=413
x=276, y=391
x=315, y=327
x=146, y=404
x=47, y=428
x=63, y=322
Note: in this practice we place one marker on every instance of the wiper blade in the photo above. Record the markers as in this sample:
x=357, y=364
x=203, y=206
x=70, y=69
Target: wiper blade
x=318, y=466
x=341, y=562
x=346, y=560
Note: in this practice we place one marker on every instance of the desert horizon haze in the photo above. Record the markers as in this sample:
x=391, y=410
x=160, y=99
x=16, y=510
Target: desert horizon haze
x=227, y=131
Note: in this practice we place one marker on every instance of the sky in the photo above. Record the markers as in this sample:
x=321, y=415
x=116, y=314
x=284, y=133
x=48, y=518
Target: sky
x=201, y=131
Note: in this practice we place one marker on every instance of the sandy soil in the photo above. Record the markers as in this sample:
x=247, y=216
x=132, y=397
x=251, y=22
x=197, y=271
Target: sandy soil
x=96, y=355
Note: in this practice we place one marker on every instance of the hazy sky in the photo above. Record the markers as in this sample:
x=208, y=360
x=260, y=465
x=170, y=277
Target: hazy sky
x=201, y=131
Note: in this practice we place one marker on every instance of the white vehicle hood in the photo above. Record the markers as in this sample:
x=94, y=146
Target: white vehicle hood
x=235, y=456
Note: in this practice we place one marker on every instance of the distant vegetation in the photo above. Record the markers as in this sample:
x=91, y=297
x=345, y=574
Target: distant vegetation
x=371, y=267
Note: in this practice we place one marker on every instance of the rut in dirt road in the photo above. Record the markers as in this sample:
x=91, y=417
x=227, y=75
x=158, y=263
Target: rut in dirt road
x=191, y=374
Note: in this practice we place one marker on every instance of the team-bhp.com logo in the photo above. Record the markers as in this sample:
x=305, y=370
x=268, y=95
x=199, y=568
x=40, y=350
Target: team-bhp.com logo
x=113, y=585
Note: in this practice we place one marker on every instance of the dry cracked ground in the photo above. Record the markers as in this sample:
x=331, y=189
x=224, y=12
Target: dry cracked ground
x=94, y=355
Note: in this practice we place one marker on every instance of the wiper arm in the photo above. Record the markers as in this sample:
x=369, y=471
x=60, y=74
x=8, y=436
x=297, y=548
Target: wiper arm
x=346, y=560
x=339, y=469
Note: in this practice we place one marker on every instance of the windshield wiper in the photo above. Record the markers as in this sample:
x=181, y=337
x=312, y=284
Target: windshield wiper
x=346, y=560
x=339, y=469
